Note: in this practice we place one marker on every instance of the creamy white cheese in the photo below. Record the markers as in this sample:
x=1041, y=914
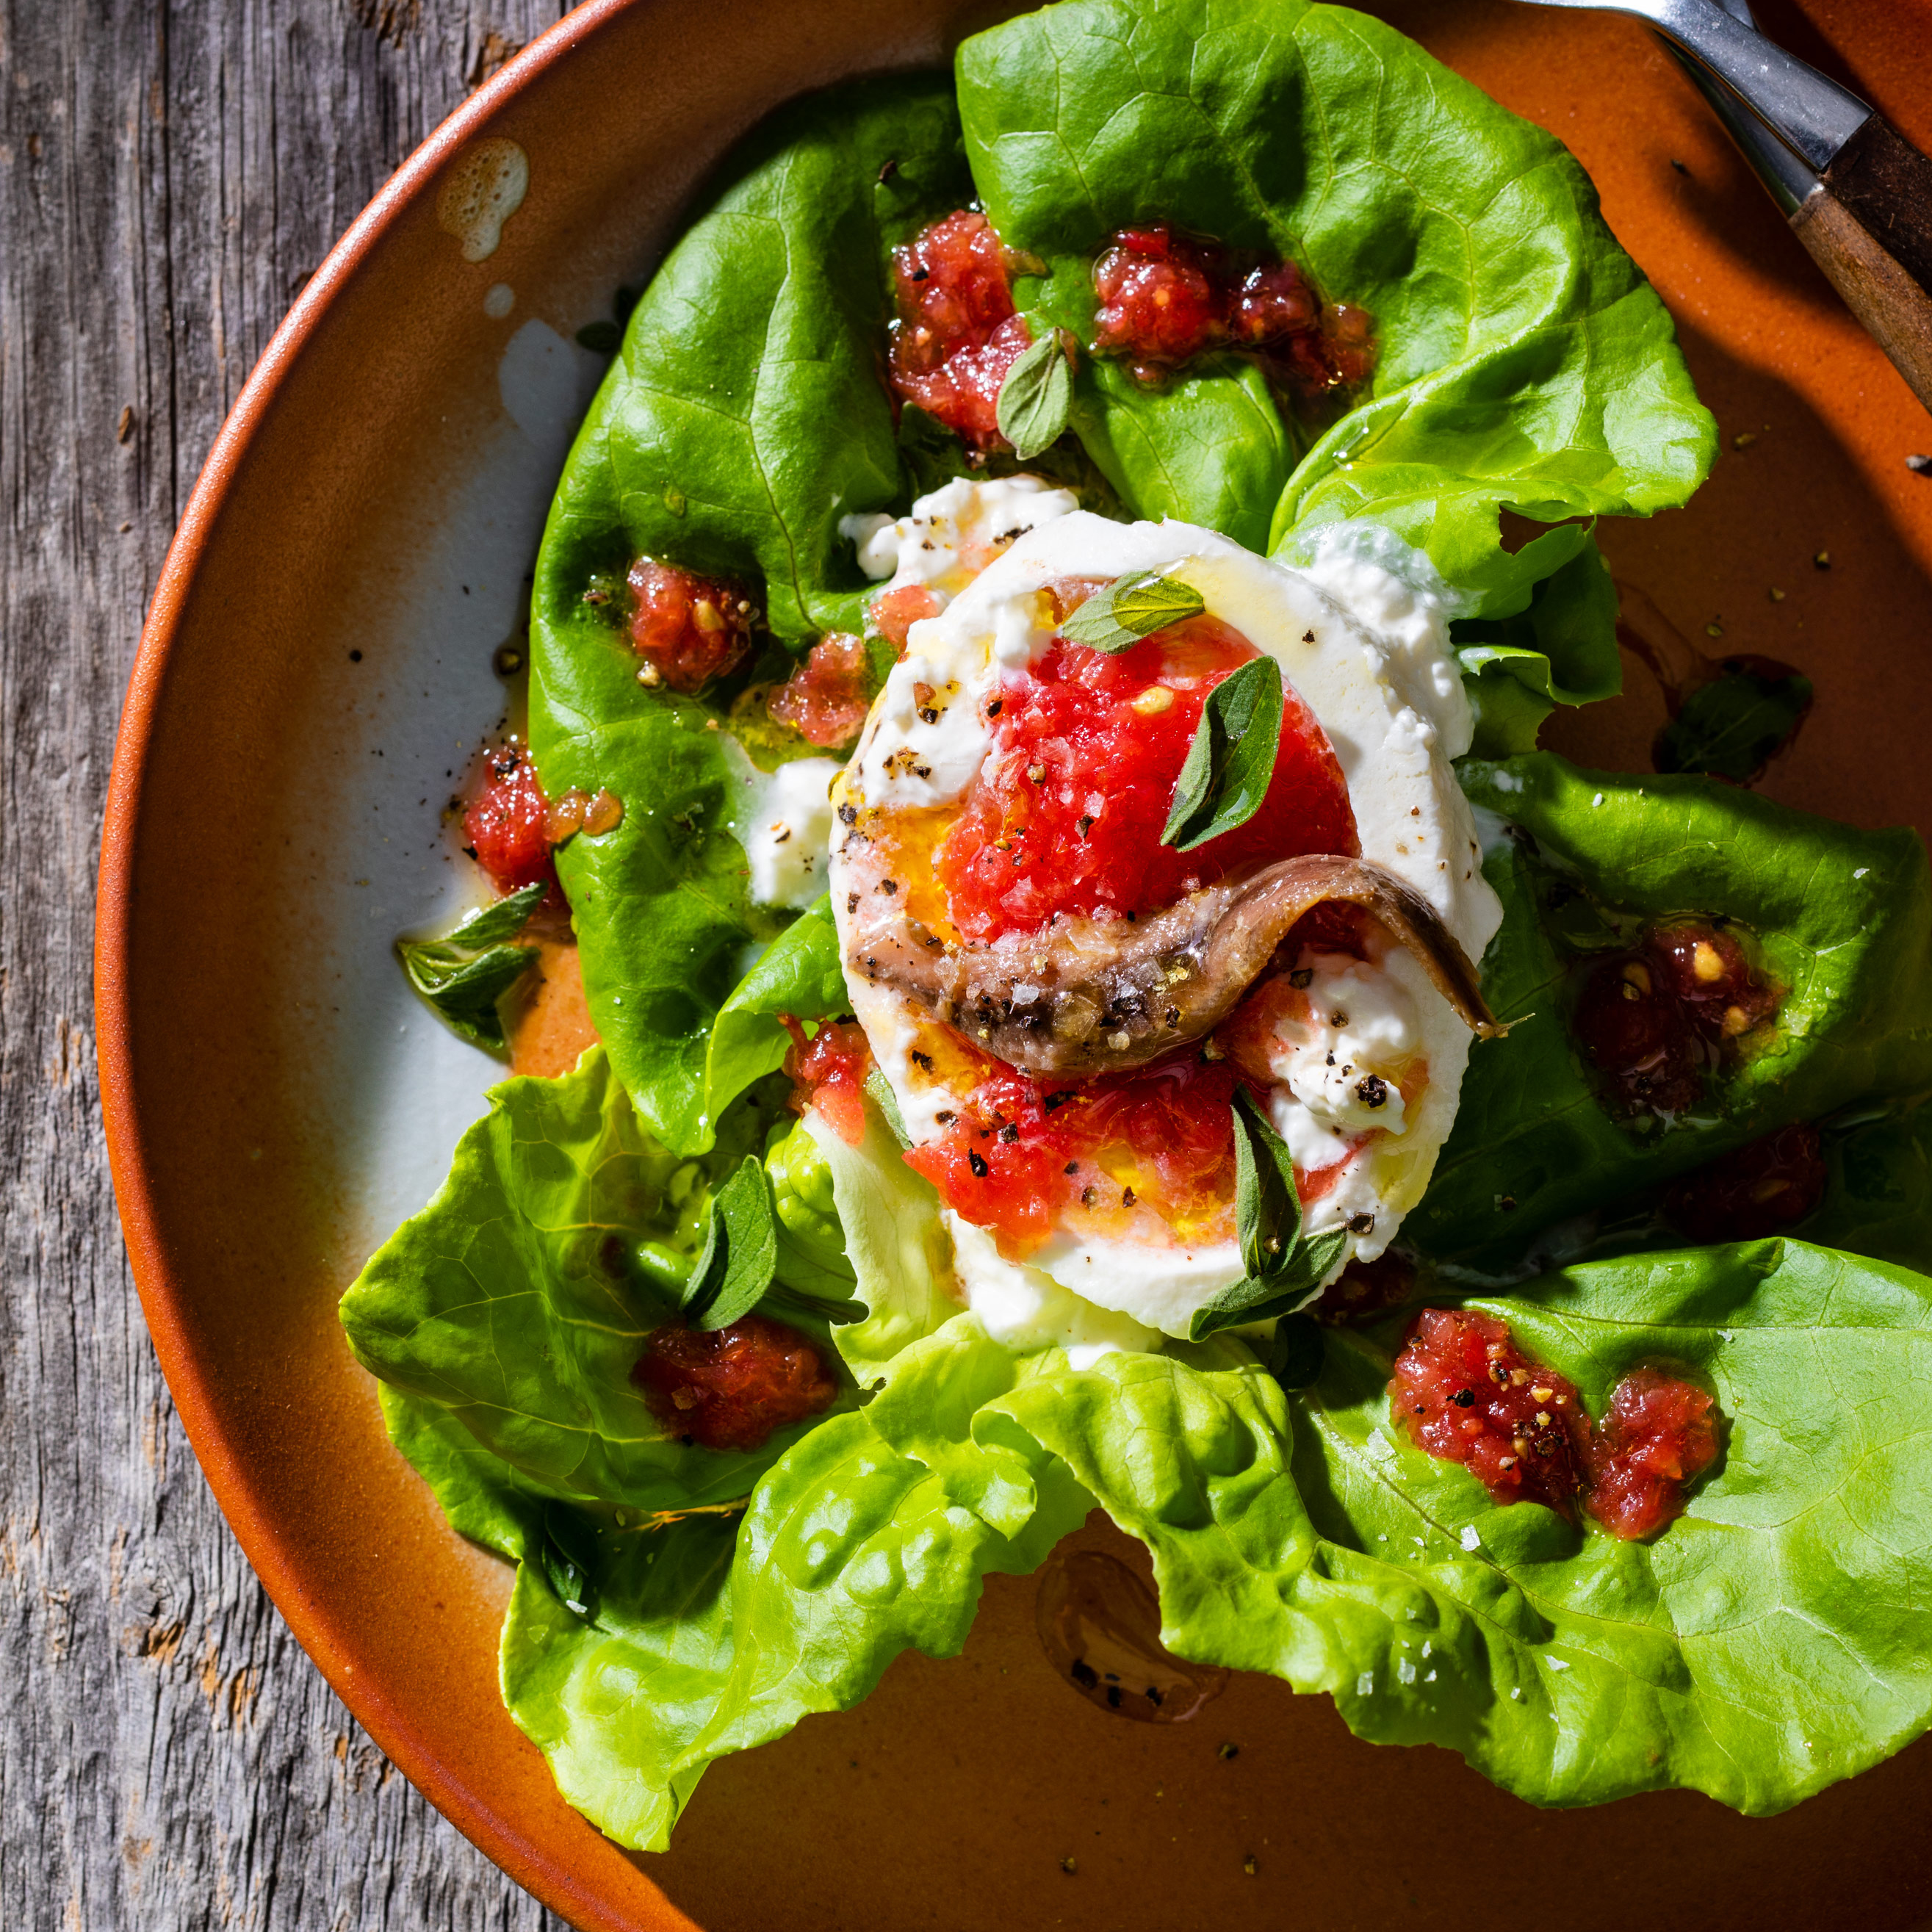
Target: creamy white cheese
x=788, y=834
x=1026, y=1309
x=1361, y=634
x=1343, y=1063
x=949, y=536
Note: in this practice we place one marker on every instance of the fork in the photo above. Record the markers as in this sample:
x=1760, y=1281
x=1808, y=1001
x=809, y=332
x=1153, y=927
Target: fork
x=1857, y=194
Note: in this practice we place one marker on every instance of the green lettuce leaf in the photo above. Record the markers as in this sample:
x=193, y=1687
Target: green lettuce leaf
x=1772, y=1641
x=1561, y=649
x=713, y=1637
x=1524, y=361
x=1878, y=1192
x=800, y=973
x=743, y=418
x=1845, y=919
x=515, y=1300
x=895, y=1240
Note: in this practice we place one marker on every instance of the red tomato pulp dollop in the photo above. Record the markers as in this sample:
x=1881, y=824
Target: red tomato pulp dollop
x=1660, y=1434
x=1465, y=1391
x=688, y=629
x=1020, y=1156
x=729, y=1388
x=826, y=699
x=1760, y=1189
x=956, y=334
x=506, y=824
x=1165, y=298
x=1655, y=1019
x=828, y=1071
x=1066, y=815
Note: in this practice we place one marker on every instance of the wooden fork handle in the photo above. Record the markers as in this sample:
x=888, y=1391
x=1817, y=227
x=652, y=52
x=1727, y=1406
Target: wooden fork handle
x=1868, y=225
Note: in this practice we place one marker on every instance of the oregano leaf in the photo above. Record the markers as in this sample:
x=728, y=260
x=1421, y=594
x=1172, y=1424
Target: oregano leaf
x=1130, y=608
x=1267, y=1209
x=491, y=924
x=1036, y=398
x=879, y=1091
x=465, y=974
x=567, y=1554
x=740, y=1254
x=1284, y=1265
x=1232, y=760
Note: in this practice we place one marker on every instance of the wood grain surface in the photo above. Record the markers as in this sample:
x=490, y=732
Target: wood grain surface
x=170, y=174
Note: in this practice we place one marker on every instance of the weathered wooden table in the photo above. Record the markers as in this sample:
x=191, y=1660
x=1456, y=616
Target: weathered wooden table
x=171, y=171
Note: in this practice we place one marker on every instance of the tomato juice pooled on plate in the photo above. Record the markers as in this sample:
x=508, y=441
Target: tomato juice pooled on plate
x=1465, y=1391
x=1066, y=815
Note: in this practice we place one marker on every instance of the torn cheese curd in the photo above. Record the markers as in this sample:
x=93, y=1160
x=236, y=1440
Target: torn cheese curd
x=931, y=553
x=1002, y=818
x=786, y=829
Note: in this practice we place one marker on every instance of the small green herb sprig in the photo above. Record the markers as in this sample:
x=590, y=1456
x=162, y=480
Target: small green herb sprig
x=737, y=1268
x=1285, y=1264
x=464, y=975
x=1036, y=398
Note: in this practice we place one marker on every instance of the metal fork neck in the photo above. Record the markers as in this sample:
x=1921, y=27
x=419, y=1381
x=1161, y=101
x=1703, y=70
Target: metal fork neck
x=1809, y=112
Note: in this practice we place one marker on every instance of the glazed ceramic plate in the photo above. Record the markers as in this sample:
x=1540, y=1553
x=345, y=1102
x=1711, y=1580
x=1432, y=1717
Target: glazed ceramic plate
x=316, y=672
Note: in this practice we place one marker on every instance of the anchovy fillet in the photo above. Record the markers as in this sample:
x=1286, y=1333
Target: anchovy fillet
x=1088, y=996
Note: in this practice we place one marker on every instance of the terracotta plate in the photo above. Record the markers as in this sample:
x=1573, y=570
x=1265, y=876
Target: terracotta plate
x=317, y=665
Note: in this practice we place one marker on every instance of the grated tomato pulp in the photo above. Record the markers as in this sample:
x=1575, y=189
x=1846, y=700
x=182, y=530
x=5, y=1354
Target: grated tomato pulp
x=1761, y=1190
x=826, y=699
x=505, y=826
x=828, y=1071
x=1019, y=1156
x=1660, y=1433
x=955, y=335
x=1165, y=298
x=688, y=629
x=729, y=1388
x=1465, y=1391
x=1066, y=814
x=1655, y=1020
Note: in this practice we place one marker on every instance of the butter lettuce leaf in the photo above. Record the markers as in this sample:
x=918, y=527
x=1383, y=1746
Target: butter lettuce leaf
x=1771, y=1641
x=1844, y=918
x=1524, y=361
x=799, y=974
x=716, y=1636
x=895, y=1240
x=1878, y=1190
x=744, y=417
x=513, y=1301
